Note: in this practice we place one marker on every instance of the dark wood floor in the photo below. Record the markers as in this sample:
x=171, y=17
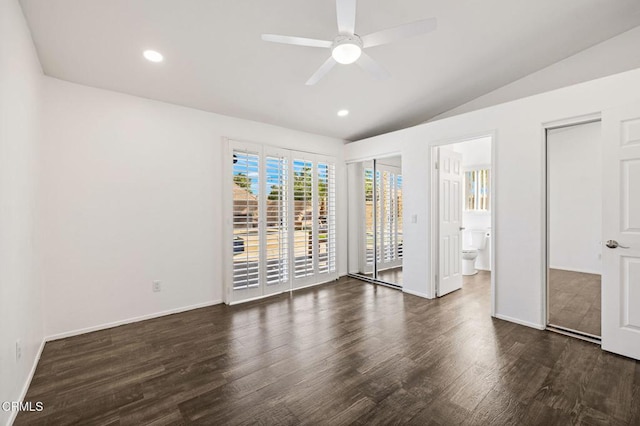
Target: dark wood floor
x=344, y=353
x=575, y=301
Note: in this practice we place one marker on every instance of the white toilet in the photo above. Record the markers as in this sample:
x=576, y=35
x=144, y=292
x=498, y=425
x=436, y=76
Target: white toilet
x=472, y=241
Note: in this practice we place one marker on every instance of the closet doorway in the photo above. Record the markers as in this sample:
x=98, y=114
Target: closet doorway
x=574, y=229
x=376, y=204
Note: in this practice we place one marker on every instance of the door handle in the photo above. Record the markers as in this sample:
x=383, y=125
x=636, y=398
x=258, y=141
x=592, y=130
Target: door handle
x=614, y=244
x=462, y=228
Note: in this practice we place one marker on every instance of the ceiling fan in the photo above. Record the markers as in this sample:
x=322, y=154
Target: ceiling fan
x=347, y=47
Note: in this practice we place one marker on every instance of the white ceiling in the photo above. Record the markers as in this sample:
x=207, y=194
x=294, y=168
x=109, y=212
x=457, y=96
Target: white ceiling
x=216, y=61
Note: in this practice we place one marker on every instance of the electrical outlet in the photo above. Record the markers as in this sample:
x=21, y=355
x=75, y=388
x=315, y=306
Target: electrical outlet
x=156, y=286
x=18, y=350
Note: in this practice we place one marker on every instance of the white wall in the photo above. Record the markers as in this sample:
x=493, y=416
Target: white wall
x=575, y=198
x=20, y=301
x=519, y=175
x=476, y=154
x=131, y=194
x=616, y=55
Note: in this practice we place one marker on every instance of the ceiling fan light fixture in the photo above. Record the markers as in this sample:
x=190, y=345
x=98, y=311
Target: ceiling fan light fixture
x=346, y=53
x=346, y=49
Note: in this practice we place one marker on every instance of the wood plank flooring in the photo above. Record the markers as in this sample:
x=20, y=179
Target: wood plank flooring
x=575, y=301
x=342, y=353
x=392, y=275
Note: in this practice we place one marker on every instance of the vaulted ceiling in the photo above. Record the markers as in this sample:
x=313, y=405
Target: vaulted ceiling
x=216, y=61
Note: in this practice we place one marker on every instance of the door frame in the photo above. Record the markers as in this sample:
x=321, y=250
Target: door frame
x=227, y=149
x=435, y=209
x=546, y=237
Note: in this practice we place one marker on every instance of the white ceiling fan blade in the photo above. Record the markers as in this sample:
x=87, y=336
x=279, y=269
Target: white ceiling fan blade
x=346, y=11
x=372, y=67
x=322, y=71
x=403, y=31
x=297, y=41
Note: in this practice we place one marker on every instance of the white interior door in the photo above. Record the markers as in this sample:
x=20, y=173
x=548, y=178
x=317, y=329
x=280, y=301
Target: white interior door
x=621, y=228
x=450, y=221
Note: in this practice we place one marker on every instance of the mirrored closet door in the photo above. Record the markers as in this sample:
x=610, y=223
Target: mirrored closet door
x=574, y=229
x=375, y=220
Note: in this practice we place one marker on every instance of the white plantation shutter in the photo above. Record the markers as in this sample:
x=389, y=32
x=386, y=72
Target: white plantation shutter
x=277, y=220
x=477, y=184
x=327, y=218
x=399, y=212
x=303, y=195
x=389, y=237
x=284, y=220
x=483, y=190
x=246, y=241
x=368, y=201
x=388, y=180
x=379, y=216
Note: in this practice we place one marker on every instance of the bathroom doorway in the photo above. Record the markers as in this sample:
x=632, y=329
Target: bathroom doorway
x=462, y=224
x=574, y=229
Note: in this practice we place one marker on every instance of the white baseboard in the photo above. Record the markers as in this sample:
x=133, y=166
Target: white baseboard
x=27, y=383
x=130, y=320
x=415, y=293
x=521, y=322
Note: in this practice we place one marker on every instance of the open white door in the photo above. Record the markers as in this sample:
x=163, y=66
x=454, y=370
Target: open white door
x=621, y=228
x=450, y=221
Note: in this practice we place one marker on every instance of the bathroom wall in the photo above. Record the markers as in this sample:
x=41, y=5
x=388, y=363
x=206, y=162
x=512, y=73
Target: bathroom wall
x=476, y=154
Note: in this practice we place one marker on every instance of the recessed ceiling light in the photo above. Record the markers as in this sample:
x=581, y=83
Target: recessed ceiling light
x=343, y=113
x=153, y=56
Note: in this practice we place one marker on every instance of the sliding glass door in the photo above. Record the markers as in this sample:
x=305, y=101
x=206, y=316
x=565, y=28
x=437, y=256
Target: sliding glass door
x=283, y=211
